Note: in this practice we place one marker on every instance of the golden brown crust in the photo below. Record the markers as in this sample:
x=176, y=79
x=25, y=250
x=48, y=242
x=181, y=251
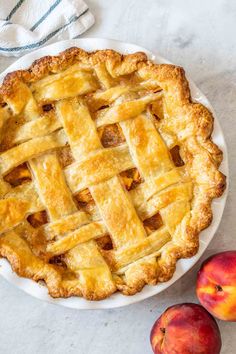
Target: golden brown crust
x=191, y=122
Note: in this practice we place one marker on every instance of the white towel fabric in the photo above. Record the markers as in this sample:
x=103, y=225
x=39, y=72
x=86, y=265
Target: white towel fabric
x=26, y=25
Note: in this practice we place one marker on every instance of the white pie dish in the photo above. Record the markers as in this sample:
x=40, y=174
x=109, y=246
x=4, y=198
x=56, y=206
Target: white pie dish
x=183, y=265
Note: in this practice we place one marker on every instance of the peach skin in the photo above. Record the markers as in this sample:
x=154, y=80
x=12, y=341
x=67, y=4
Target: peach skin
x=185, y=329
x=216, y=285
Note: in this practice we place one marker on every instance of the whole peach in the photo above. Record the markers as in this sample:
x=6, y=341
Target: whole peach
x=185, y=329
x=216, y=285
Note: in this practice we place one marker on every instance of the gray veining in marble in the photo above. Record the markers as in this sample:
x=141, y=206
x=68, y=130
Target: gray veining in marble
x=200, y=36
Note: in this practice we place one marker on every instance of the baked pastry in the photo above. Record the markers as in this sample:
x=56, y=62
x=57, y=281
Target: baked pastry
x=107, y=172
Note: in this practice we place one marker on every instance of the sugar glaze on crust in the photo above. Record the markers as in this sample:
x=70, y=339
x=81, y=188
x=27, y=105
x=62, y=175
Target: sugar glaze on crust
x=184, y=123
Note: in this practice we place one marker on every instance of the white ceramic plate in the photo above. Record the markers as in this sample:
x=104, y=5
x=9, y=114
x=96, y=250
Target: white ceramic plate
x=183, y=265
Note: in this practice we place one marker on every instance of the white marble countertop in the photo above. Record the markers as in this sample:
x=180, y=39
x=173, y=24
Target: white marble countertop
x=200, y=36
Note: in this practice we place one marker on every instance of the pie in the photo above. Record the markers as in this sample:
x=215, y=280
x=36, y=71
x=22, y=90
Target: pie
x=107, y=172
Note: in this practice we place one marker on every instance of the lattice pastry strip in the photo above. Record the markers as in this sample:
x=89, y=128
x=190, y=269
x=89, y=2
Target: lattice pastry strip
x=71, y=82
x=25, y=151
x=37, y=128
x=125, y=110
x=118, y=213
x=22, y=101
x=51, y=186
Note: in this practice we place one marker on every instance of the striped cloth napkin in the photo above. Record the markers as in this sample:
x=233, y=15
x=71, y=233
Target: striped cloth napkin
x=26, y=25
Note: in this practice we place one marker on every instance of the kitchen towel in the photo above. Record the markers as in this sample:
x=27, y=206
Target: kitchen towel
x=26, y=25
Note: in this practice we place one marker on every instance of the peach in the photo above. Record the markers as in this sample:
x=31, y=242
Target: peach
x=185, y=329
x=216, y=285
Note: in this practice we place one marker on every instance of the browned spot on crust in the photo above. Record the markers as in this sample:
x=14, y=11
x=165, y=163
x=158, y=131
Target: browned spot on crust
x=65, y=156
x=12, y=125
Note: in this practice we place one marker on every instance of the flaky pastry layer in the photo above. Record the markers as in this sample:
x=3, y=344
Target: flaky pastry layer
x=104, y=88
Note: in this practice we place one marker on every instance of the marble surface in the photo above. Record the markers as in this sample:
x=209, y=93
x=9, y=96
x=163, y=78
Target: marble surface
x=200, y=36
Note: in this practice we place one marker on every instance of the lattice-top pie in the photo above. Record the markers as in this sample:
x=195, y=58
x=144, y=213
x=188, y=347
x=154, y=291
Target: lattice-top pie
x=107, y=172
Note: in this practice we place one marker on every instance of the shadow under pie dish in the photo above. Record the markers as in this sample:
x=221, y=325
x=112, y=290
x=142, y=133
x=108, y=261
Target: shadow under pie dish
x=107, y=172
